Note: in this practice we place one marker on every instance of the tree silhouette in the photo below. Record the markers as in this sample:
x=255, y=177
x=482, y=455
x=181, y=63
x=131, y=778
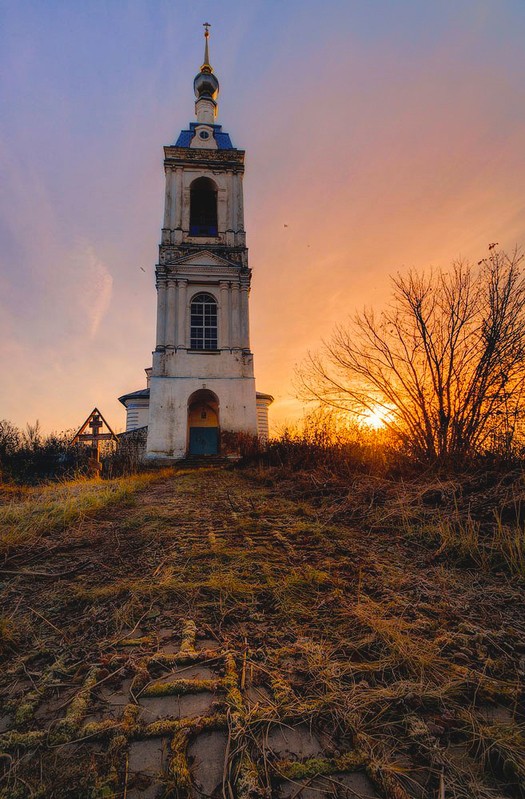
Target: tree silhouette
x=445, y=361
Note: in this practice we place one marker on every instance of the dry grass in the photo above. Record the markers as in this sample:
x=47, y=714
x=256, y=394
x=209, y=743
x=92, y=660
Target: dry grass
x=36, y=513
x=402, y=654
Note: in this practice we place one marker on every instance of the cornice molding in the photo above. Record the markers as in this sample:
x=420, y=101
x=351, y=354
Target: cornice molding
x=211, y=159
x=230, y=256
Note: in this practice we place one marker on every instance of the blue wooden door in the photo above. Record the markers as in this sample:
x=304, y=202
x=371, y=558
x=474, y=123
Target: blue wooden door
x=204, y=440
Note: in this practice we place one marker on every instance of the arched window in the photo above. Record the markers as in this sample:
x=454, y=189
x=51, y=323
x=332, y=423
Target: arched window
x=203, y=208
x=203, y=322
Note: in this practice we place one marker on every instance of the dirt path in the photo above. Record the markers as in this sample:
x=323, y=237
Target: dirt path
x=211, y=638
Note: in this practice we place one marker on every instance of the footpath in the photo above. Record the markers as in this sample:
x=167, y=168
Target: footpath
x=211, y=638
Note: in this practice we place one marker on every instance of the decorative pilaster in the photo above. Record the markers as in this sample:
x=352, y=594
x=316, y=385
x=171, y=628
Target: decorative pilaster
x=168, y=203
x=177, y=192
x=232, y=204
x=239, y=212
x=161, y=315
x=224, y=315
x=245, y=322
x=183, y=333
x=235, y=317
x=170, y=332
x=185, y=209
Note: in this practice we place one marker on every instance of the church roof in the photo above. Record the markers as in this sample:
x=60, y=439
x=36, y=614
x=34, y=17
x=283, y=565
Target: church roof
x=223, y=139
x=143, y=393
x=260, y=395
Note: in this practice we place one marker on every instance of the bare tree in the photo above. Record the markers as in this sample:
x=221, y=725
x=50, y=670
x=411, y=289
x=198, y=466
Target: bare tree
x=445, y=361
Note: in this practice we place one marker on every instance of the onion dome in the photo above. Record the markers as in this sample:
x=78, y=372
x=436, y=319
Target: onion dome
x=206, y=85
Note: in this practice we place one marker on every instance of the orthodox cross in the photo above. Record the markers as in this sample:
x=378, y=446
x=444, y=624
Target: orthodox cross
x=206, y=67
x=95, y=422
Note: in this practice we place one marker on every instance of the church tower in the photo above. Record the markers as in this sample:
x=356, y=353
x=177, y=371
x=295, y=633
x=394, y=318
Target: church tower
x=201, y=384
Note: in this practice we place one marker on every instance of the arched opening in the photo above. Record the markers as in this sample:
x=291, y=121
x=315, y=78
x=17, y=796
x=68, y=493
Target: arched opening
x=203, y=423
x=203, y=208
x=203, y=324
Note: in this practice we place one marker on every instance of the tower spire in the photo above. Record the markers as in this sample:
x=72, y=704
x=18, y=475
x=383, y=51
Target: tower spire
x=206, y=86
x=206, y=66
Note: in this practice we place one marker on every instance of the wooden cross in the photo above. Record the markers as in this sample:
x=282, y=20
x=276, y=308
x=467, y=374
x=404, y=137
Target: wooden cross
x=95, y=425
x=95, y=422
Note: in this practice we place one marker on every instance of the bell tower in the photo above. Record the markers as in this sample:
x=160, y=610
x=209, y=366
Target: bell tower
x=202, y=386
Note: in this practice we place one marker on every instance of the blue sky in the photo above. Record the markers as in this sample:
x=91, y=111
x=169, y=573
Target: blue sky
x=383, y=134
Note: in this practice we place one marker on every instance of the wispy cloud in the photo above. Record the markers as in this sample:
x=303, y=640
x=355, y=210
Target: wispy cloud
x=94, y=286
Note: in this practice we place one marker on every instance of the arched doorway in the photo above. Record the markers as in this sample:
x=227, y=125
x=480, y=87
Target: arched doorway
x=203, y=423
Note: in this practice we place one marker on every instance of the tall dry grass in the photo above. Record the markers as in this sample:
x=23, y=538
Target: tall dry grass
x=469, y=514
x=28, y=516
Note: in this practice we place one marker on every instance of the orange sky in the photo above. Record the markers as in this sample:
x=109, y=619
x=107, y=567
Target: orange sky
x=374, y=143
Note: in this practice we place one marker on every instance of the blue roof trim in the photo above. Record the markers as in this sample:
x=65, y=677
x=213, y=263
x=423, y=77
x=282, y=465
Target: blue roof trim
x=223, y=139
x=184, y=139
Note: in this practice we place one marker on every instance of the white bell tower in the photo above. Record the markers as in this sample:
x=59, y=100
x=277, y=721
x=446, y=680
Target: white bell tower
x=202, y=386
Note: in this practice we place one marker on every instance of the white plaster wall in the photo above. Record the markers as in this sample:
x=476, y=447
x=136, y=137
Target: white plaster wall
x=168, y=425
x=262, y=418
x=201, y=364
x=205, y=111
x=204, y=144
x=137, y=414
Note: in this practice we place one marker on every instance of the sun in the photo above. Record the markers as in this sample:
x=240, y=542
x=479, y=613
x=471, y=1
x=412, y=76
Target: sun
x=376, y=417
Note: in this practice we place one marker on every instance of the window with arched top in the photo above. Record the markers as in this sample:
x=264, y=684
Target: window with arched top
x=203, y=208
x=203, y=312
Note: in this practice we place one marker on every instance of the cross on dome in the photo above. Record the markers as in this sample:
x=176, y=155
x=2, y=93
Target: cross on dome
x=206, y=85
x=206, y=66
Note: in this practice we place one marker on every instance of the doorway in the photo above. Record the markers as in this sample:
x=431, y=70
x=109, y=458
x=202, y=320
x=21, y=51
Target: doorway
x=203, y=423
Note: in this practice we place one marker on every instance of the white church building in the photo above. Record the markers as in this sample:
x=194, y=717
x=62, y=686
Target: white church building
x=201, y=385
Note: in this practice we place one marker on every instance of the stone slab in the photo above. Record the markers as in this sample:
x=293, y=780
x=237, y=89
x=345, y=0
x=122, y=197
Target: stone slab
x=207, y=754
x=297, y=742
x=146, y=764
x=176, y=707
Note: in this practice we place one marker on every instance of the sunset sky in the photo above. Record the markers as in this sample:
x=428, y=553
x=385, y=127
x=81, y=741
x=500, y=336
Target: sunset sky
x=379, y=135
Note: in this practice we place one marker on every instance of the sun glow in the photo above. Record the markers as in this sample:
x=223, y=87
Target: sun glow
x=376, y=417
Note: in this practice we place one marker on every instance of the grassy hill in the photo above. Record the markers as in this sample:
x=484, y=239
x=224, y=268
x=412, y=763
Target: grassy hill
x=260, y=633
